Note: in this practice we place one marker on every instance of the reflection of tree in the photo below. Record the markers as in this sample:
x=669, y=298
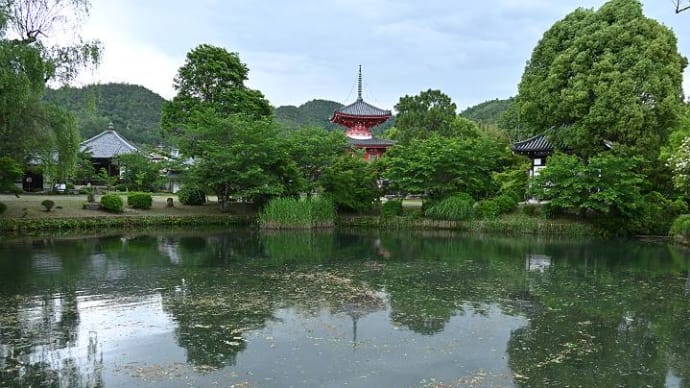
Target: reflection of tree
x=602, y=327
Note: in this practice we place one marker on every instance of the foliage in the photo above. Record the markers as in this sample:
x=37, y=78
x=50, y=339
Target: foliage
x=680, y=165
x=121, y=187
x=139, y=200
x=656, y=214
x=107, y=179
x=391, y=208
x=48, y=204
x=30, y=129
x=134, y=110
x=139, y=172
x=112, y=203
x=457, y=207
x=607, y=188
x=487, y=111
x=351, y=183
x=606, y=75
x=240, y=158
x=282, y=213
x=3, y=207
x=313, y=149
x=10, y=172
x=90, y=192
x=430, y=112
x=494, y=207
x=191, y=195
x=440, y=166
x=211, y=80
x=681, y=227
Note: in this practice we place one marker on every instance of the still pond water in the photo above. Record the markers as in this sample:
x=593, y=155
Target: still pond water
x=346, y=308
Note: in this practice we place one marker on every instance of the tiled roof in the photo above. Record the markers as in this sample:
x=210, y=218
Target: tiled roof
x=537, y=143
x=361, y=108
x=373, y=142
x=107, y=144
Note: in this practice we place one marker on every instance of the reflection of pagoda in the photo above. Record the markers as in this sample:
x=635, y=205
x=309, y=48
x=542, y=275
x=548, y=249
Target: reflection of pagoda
x=359, y=117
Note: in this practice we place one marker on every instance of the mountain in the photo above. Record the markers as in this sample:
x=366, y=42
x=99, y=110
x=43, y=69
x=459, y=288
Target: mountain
x=487, y=111
x=134, y=110
x=316, y=113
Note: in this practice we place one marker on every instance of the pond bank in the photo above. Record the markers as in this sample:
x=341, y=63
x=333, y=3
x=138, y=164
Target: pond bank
x=509, y=226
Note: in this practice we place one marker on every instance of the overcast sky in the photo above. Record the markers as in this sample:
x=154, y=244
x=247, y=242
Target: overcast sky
x=300, y=50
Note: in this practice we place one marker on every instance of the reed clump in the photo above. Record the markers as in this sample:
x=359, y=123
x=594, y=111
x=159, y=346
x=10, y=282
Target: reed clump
x=294, y=213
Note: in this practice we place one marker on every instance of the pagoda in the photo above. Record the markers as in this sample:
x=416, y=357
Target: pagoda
x=359, y=117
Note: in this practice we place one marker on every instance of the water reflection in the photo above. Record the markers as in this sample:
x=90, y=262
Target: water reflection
x=398, y=308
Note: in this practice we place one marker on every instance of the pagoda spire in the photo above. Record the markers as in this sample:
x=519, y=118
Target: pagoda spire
x=359, y=84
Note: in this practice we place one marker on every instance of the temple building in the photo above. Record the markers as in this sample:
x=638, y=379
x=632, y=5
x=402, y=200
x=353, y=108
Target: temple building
x=537, y=148
x=359, y=117
x=104, y=149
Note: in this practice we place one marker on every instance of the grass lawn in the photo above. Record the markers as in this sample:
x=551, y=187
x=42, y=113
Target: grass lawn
x=70, y=206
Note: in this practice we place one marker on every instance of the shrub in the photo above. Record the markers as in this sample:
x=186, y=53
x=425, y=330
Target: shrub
x=70, y=186
x=681, y=227
x=112, y=203
x=121, y=187
x=191, y=195
x=48, y=204
x=507, y=203
x=392, y=208
x=532, y=209
x=139, y=200
x=3, y=207
x=455, y=208
x=487, y=208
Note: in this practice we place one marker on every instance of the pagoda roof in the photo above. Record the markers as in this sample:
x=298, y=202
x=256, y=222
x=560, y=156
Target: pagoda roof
x=107, y=144
x=533, y=145
x=371, y=143
x=361, y=108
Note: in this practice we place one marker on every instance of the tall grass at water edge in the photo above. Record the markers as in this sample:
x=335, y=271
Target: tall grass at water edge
x=291, y=213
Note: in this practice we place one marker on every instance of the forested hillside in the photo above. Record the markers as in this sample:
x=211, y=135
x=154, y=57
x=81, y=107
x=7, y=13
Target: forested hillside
x=488, y=111
x=315, y=113
x=134, y=110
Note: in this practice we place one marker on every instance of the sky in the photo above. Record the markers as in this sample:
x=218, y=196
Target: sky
x=301, y=50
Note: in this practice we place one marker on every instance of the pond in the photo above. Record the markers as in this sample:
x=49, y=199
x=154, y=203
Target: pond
x=358, y=308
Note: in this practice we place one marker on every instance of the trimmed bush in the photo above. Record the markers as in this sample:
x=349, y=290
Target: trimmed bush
x=455, y=208
x=139, y=200
x=506, y=203
x=48, y=204
x=191, y=195
x=391, y=208
x=112, y=203
x=3, y=207
x=121, y=187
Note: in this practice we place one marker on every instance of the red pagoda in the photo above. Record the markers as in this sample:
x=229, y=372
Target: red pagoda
x=359, y=117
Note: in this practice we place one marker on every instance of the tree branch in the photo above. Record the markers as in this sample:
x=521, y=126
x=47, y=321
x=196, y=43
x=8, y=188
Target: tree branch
x=680, y=8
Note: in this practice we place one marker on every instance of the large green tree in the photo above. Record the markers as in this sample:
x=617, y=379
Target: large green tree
x=240, y=158
x=610, y=74
x=430, y=112
x=29, y=128
x=314, y=149
x=442, y=166
x=228, y=129
x=211, y=78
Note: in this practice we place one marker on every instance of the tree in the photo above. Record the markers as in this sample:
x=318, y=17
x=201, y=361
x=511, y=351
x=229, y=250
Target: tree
x=211, y=78
x=441, y=166
x=351, y=182
x=420, y=116
x=606, y=75
x=680, y=7
x=241, y=158
x=313, y=149
x=139, y=173
x=30, y=129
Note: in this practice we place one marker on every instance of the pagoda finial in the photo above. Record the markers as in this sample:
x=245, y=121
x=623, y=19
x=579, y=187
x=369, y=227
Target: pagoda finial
x=110, y=126
x=359, y=84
